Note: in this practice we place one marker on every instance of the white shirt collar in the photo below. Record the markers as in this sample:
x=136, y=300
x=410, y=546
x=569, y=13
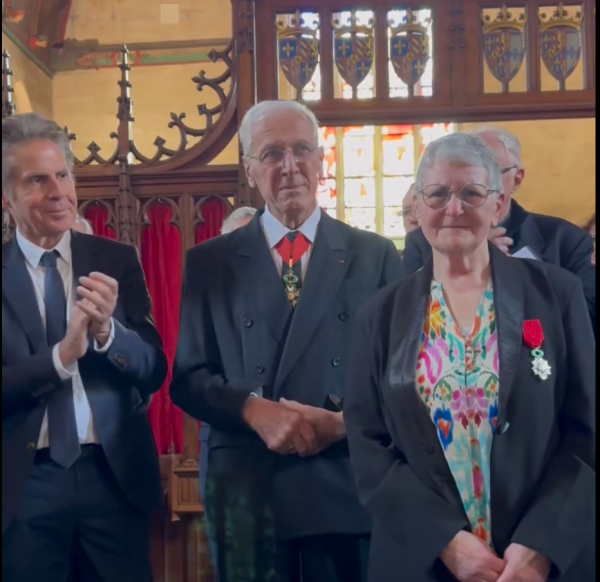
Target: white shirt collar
x=275, y=231
x=33, y=254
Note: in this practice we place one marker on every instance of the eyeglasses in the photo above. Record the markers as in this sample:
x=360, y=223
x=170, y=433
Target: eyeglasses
x=301, y=154
x=437, y=196
x=507, y=170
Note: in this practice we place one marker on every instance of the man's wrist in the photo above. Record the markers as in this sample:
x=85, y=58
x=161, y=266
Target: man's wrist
x=66, y=357
x=101, y=338
x=104, y=337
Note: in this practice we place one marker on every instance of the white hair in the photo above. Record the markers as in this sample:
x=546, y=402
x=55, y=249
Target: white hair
x=86, y=225
x=461, y=149
x=236, y=216
x=264, y=109
x=509, y=140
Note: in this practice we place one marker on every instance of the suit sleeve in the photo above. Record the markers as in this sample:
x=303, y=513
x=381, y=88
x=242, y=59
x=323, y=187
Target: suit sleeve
x=25, y=383
x=392, y=267
x=413, y=515
x=414, y=257
x=578, y=260
x=136, y=350
x=199, y=385
x=559, y=522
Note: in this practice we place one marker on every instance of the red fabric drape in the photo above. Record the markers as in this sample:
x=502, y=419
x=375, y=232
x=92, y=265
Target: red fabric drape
x=97, y=214
x=213, y=214
x=161, y=259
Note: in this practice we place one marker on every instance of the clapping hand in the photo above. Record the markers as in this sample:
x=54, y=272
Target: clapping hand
x=99, y=295
x=75, y=344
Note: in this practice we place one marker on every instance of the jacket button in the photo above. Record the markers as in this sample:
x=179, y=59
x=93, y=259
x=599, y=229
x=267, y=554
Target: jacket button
x=336, y=362
x=260, y=369
x=31, y=447
x=344, y=316
x=248, y=322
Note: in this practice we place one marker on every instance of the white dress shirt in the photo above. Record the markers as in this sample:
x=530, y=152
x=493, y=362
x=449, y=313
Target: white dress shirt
x=275, y=232
x=33, y=255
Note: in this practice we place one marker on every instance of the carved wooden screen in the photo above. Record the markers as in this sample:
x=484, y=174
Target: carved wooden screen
x=392, y=62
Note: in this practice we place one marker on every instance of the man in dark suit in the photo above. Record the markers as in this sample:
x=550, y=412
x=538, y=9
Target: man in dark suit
x=521, y=233
x=267, y=314
x=80, y=359
x=237, y=219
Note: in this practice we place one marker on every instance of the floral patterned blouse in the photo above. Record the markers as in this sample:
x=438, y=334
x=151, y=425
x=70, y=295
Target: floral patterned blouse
x=458, y=381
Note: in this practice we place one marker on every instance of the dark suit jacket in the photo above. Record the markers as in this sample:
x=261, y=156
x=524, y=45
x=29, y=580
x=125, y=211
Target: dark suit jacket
x=118, y=383
x=234, y=320
x=543, y=458
x=553, y=240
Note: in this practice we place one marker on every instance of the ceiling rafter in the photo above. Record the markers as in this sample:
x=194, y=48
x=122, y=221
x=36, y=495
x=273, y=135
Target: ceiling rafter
x=37, y=27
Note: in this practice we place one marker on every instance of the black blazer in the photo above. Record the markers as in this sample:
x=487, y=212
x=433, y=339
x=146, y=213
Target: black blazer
x=543, y=458
x=553, y=240
x=118, y=384
x=234, y=323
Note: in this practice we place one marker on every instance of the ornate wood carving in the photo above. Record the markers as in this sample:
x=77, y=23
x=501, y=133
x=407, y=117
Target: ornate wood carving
x=458, y=57
x=8, y=92
x=8, y=109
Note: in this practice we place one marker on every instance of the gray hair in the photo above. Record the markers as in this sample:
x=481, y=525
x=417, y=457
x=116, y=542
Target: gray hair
x=86, y=225
x=20, y=129
x=461, y=149
x=509, y=140
x=263, y=109
x=236, y=216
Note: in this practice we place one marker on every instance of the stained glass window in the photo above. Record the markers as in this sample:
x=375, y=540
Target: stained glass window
x=364, y=20
x=298, y=34
x=368, y=171
x=398, y=19
x=327, y=193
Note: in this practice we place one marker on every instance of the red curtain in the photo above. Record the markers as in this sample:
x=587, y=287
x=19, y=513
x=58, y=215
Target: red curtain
x=161, y=259
x=97, y=214
x=213, y=213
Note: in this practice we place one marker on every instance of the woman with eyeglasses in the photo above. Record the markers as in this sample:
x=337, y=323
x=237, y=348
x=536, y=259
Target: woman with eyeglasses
x=471, y=403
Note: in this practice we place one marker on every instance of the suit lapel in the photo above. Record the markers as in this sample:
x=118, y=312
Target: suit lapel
x=257, y=273
x=326, y=271
x=18, y=289
x=524, y=230
x=407, y=410
x=509, y=300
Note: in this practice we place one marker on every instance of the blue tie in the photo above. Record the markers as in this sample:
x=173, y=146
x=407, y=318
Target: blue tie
x=64, y=439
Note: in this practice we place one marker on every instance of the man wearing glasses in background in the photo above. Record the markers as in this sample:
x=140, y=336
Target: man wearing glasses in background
x=267, y=317
x=520, y=233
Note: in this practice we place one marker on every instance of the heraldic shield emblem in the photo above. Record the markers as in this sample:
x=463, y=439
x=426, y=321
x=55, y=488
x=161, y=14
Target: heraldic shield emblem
x=504, y=45
x=562, y=42
x=298, y=48
x=354, y=46
x=410, y=49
